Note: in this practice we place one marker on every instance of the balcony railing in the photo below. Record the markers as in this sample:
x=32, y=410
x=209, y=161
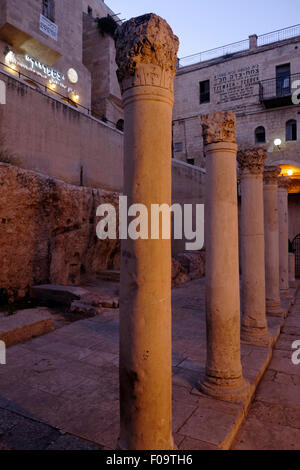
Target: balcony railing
x=263, y=40
x=278, y=91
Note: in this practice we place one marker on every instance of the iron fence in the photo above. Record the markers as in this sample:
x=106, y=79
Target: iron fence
x=279, y=35
x=263, y=40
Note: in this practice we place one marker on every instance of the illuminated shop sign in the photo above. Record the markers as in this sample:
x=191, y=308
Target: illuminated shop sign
x=37, y=67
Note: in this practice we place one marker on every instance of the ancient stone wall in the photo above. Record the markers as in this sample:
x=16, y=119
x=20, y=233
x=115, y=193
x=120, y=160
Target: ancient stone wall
x=48, y=231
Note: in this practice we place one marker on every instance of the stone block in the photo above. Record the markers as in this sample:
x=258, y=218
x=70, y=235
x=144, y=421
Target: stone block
x=25, y=324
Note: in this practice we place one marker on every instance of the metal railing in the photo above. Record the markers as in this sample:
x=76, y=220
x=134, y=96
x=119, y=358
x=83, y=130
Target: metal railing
x=65, y=99
x=279, y=35
x=277, y=87
x=214, y=53
x=263, y=40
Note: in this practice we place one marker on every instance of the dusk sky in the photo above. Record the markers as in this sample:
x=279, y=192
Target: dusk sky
x=202, y=25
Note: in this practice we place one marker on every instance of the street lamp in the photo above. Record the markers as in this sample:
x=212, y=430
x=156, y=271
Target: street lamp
x=277, y=143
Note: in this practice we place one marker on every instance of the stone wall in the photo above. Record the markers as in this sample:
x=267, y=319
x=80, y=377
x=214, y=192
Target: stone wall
x=187, y=188
x=49, y=136
x=48, y=231
x=99, y=54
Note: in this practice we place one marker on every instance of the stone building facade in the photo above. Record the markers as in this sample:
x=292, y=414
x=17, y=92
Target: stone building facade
x=48, y=43
x=256, y=79
x=61, y=112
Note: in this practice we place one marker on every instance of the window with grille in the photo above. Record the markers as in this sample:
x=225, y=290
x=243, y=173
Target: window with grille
x=49, y=9
x=291, y=130
x=204, y=92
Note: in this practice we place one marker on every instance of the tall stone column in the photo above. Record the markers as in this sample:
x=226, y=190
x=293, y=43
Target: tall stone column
x=224, y=378
x=146, y=58
x=283, y=190
x=271, y=174
x=254, y=321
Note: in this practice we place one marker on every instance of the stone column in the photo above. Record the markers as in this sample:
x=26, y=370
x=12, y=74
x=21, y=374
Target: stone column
x=283, y=190
x=224, y=378
x=146, y=55
x=292, y=278
x=254, y=321
x=271, y=174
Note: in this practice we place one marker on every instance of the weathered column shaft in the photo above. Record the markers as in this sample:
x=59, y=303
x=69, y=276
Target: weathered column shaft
x=272, y=241
x=283, y=187
x=224, y=377
x=254, y=321
x=146, y=57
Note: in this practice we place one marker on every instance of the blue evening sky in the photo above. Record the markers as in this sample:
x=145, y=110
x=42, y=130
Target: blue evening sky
x=206, y=24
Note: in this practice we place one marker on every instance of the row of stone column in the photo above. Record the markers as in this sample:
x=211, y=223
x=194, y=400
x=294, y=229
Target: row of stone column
x=146, y=58
x=264, y=252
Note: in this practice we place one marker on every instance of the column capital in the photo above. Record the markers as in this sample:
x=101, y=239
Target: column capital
x=252, y=160
x=271, y=174
x=146, y=52
x=219, y=127
x=284, y=182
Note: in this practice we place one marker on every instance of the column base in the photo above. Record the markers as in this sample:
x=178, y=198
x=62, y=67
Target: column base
x=274, y=309
x=123, y=447
x=285, y=293
x=232, y=390
x=256, y=336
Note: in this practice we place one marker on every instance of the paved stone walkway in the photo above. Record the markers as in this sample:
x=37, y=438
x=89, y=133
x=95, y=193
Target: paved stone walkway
x=273, y=422
x=67, y=381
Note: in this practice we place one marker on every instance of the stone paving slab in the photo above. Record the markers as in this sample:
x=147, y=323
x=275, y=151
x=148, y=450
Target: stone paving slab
x=273, y=422
x=24, y=325
x=68, y=379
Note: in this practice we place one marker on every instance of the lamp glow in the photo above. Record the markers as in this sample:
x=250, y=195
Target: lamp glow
x=290, y=172
x=277, y=142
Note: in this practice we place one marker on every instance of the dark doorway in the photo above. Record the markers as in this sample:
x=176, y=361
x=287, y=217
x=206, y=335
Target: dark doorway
x=296, y=249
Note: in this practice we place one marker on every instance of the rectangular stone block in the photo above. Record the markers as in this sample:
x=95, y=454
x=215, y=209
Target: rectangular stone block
x=24, y=325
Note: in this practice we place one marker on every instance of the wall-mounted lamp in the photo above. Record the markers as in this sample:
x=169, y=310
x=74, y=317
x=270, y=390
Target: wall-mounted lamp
x=75, y=97
x=277, y=143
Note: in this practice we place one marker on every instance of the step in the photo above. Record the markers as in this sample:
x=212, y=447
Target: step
x=60, y=294
x=109, y=275
x=25, y=324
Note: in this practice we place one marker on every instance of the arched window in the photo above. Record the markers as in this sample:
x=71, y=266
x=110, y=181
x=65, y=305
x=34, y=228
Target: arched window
x=49, y=9
x=291, y=130
x=120, y=125
x=260, y=135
